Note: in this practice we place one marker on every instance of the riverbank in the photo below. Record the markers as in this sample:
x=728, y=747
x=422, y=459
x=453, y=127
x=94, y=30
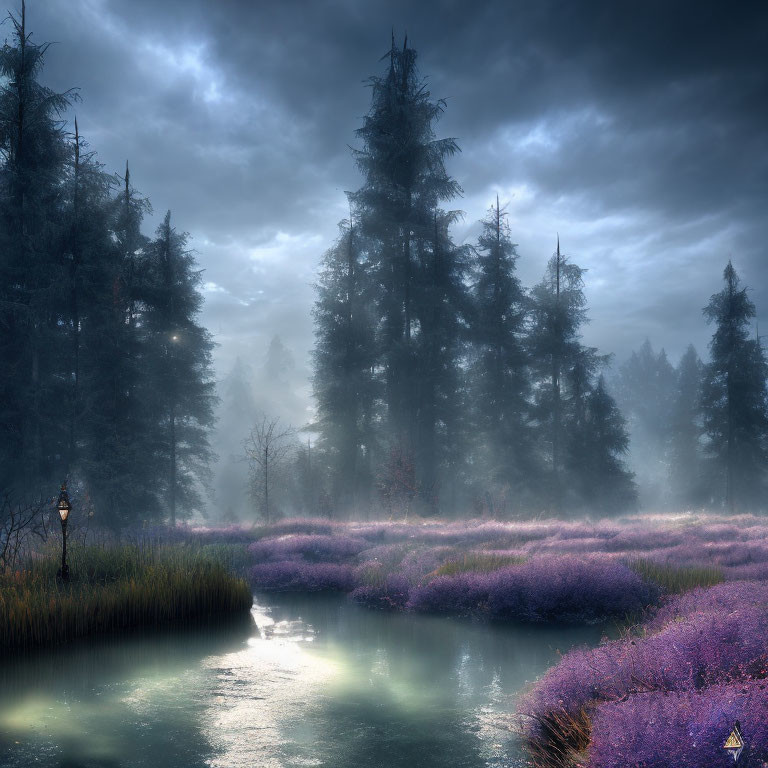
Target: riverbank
x=690, y=591
x=113, y=588
x=668, y=693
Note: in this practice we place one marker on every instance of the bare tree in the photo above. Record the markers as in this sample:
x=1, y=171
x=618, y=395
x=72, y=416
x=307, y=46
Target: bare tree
x=18, y=523
x=267, y=448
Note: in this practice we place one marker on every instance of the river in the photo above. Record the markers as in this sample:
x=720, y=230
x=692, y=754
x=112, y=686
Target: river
x=310, y=681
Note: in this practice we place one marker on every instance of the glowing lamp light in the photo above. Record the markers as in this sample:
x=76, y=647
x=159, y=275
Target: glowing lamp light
x=63, y=504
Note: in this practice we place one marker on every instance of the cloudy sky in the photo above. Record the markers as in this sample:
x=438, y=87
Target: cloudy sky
x=637, y=130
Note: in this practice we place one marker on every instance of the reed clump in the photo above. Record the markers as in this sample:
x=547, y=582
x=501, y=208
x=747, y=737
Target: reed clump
x=115, y=588
x=674, y=579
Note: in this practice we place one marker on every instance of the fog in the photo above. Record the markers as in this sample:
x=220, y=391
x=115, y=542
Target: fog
x=449, y=260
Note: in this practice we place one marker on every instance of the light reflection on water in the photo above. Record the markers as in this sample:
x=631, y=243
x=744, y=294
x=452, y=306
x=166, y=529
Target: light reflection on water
x=304, y=682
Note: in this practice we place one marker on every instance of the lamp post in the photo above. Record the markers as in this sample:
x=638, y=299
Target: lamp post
x=64, y=508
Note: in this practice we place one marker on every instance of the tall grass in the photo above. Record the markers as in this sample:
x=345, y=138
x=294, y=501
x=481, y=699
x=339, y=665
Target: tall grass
x=673, y=579
x=478, y=562
x=116, y=588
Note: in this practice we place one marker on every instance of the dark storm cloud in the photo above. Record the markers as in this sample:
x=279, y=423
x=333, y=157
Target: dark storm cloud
x=636, y=130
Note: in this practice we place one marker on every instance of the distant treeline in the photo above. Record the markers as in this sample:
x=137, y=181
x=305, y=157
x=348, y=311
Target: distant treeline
x=444, y=385
x=105, y=375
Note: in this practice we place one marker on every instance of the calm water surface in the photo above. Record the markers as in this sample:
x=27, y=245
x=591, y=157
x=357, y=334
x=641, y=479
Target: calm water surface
x=304, y=682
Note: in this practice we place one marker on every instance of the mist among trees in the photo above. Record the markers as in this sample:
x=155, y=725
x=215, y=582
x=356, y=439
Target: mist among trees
x=442, y=384
x=469, y=391
x=107, y=375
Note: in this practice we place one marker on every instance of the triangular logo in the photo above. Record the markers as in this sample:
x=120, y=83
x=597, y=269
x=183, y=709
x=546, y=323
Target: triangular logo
x=735, y=743
x=734, y=740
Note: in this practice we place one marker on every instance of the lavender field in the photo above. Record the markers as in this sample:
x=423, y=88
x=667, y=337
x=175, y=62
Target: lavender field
x=684, y=600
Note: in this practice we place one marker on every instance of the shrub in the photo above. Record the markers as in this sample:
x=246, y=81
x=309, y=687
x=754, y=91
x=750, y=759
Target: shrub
x=563, y=589
x=686, y=729
x=461, y=595
x=294, y=576
x=390, y=595
x=689, y=654
x=719, y=600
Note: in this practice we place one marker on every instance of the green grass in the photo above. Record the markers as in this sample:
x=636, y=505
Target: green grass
x=674, y=579
x=117, y=588
x=477, y=562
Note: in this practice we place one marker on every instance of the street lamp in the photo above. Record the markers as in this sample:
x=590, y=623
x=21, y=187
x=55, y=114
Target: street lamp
x=64, y=508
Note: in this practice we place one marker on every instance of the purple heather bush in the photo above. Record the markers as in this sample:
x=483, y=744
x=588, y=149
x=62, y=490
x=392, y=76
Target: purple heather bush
x=540, y=590
x=461, y=595
x=750, y=572
x=688, y=654
x=682, y=729
x=391, y=595
x=718, y=600
x=313, y=547
x=293, y=576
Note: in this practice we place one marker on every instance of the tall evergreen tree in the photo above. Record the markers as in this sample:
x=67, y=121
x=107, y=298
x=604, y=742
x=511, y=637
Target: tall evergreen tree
x=442, y=309
x=89, y=253
x=734, y=397
x=576, y=414
x=405, y=179
x=557, y=357
x=118, y=427
x=501, y=386
x=344, y=359
x=34, y=434
x=596, y=443
x=179, y=358
x=686, y=472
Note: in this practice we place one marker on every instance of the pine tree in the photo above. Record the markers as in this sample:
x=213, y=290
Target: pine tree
x=118, y=428
x=179, y=359
x=344, y=360
x=686, y=472
x=403, y=165
x=734, y=397
x=34, y=434
x=574, y=411
x=442, y=309
x=501, y=386
x=88, y=251
x=596, y=443
x=558, y=358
